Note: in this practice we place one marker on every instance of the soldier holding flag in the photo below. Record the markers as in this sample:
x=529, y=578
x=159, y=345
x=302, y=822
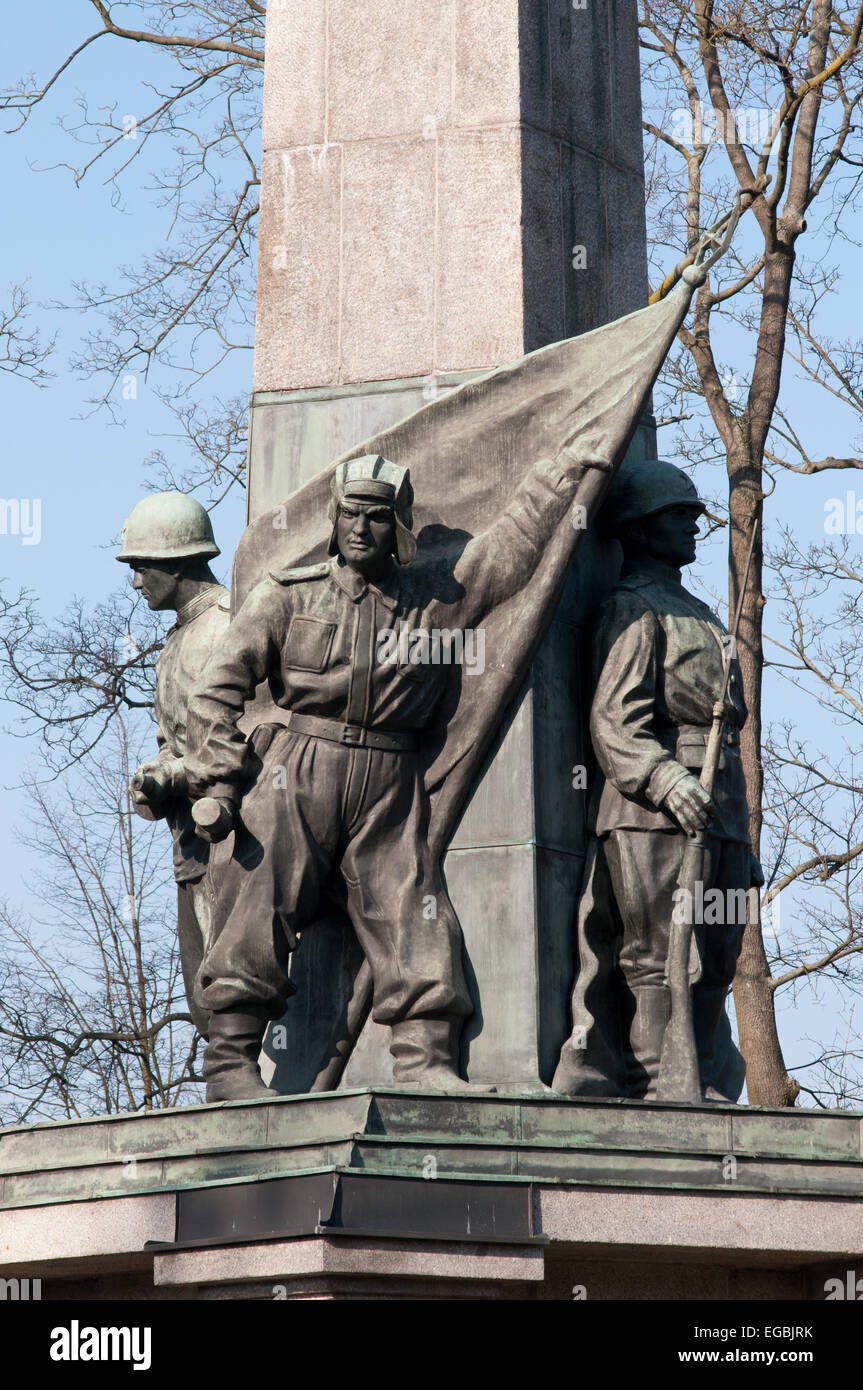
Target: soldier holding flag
x=338, y=804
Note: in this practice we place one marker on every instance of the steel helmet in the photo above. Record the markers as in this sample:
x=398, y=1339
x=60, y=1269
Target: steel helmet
x=167, y=526
x=372, y=478
x=642, y=488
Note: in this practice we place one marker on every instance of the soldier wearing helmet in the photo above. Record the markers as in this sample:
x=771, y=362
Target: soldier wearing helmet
x=659, y=661
x=168, y=543
x=339, y=805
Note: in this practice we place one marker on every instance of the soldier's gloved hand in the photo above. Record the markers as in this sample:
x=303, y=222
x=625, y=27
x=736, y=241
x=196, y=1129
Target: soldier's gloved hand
x=214, y=818
x=690, y=805
x=756, y=873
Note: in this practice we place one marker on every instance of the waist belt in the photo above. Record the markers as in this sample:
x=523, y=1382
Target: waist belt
x=353, y=735
x=687, y=735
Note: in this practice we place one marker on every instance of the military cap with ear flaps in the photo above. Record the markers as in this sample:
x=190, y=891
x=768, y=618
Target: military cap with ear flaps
x=642, y=488
x=167, y=526
x=372, y=478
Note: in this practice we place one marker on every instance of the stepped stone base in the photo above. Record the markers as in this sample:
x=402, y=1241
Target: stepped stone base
x=395, y=1194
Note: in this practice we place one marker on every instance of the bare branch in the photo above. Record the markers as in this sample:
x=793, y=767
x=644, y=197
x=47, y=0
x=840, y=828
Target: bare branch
x=22, y=352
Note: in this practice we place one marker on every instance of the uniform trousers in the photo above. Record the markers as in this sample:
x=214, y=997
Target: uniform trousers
x=326, y=819
x=643, y=868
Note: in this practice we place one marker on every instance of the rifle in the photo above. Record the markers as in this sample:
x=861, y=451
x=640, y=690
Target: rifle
x=679, y=1078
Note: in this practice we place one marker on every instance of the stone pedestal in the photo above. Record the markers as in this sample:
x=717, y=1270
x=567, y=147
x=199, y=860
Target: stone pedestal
x=393, y=1194
x=331, y=1268
x=445, y=189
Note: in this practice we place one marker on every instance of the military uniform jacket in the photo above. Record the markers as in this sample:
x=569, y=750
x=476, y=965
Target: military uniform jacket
x=659, y=654
x=188, y=647
x=316, y=634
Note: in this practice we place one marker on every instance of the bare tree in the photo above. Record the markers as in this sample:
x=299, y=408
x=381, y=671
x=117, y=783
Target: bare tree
x=189, y=306
x=92, y=1013
x=813, y=810
x=69, y=679
x=760, y=97
x=93, y=1017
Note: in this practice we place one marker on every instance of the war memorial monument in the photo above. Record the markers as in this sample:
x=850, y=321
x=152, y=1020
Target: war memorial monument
x=438, y=770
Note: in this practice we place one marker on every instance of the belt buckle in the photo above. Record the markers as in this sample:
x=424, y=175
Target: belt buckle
x=352, y=735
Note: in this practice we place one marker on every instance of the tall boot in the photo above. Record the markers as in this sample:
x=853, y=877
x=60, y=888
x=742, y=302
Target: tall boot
x=425, y=1052
x=646, y=1032
x=589, y=1062
x=708, y=1006
x=230, y=1065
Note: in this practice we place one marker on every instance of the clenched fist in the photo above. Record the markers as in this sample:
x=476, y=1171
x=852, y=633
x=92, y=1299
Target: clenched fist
x=214, y=818
x=154, y=784
x=690, y=805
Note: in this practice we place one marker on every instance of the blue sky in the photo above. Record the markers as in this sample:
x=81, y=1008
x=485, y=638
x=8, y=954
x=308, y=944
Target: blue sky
x=88, y=472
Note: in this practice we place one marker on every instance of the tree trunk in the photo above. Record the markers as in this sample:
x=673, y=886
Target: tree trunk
x=767, y=1079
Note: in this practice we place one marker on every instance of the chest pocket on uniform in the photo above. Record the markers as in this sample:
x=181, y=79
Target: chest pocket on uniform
x=308, y=644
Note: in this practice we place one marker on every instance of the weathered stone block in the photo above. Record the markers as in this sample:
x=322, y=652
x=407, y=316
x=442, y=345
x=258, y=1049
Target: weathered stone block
x=516, y=915
x=480, y=311
x=295, y=93
x=545, y=256
x=627, y=233
x=297, y=332
x=486, y=63
x=496, y=1118
x=567, y=56
x=586, y=241
x=624, y=78
x=388, y=260
x=389, y=68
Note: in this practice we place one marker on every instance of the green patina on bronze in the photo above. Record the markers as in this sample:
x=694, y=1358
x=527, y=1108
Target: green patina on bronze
x=492, y=1138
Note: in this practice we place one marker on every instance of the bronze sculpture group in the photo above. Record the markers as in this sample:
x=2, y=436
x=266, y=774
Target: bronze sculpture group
x=330, y=797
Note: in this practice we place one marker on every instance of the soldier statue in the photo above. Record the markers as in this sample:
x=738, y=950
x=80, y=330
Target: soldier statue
x=659, y=666
x=335, y=802
x=168, y=542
